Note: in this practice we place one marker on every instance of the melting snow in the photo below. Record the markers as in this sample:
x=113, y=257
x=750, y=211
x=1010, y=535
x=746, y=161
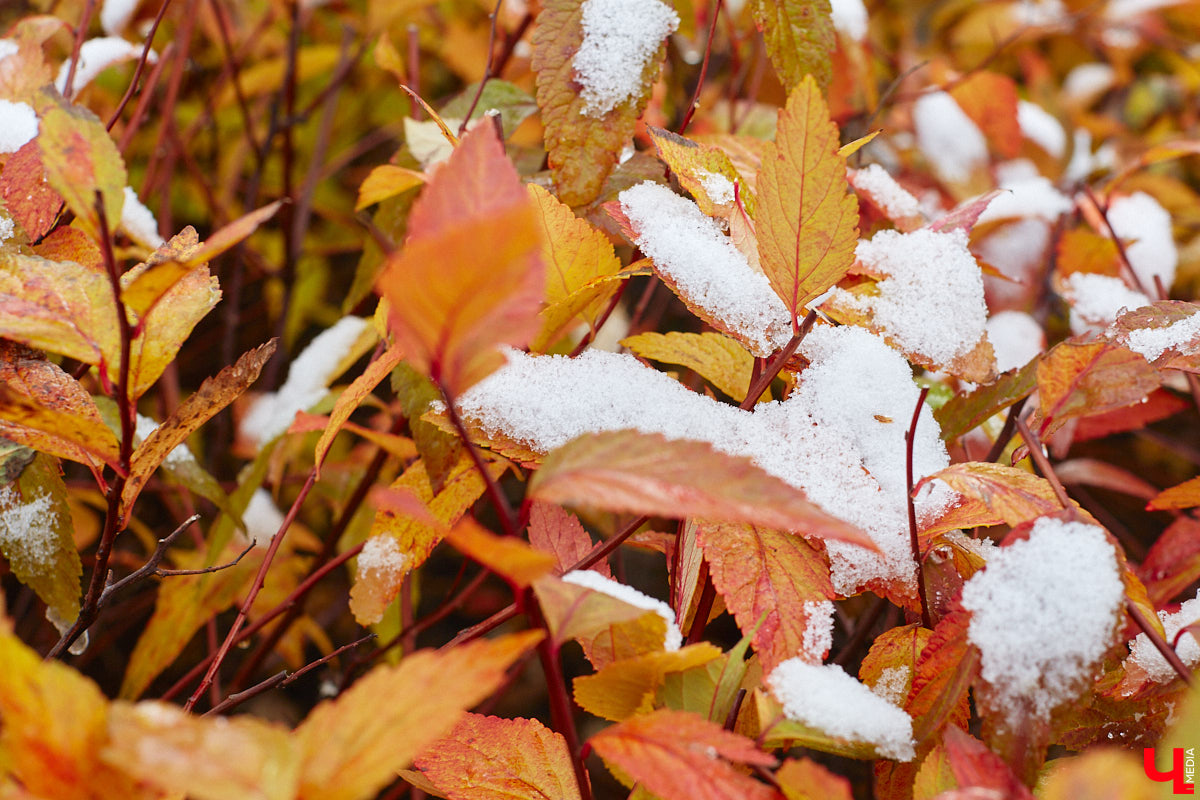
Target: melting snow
x=619, y=39
x=263, y=519
x=1043, y=612
x=826, y=698
x=382, y=555
x=882, y=189
x=850, y=18
x=590, y=579
x=1153, y=342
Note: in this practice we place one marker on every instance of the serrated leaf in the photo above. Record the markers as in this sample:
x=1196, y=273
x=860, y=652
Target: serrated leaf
x=37, y=536
x=627, y=687
x=648, y=474
x=991, y=494
x=484, y=758
x=761, y=571
x=894, y=649
x=206, y=758
x=718, y=359
x=349, y=400
x=800, y=39
x=351, y=747
x=513, y=559
x=469, y=278
x=213, y=395
x=705, y=171
x=554, y=530
x=583, y=149
x=946, y=668
x=45, y=408
x=27, y=195
x=674, y=754
x=966, y=411
x=807, y=220
x=575, y=254
x=80, y=159
x=1077, y=379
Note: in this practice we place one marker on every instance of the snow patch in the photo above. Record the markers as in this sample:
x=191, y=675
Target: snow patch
x=718, y=188
x=115, y=15
x=1143, y=652
x=1153, y=342
x=1097, y=300
x=1042, y=128
x=882, y=189
x=139, y=222
x=950, y=140
x=590, y=579
x=18, y=125
x=1016, y=338
x=818, y=630
x=382, y=556
x=263, y=519
x=619, y=39
x=95, y=56
x=849, y=18
x=27, y=526
x=1139, y=220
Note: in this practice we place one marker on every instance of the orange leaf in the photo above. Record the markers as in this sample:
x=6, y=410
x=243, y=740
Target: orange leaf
x=351, y=747
x=484, y=758
x=469, y=277
x=514, y=560
x=1081, y=250
x=800, y=39
x=974, y=765
x=893, y=655
x=947, y=666
x=575, y=254
x=46, y=409
x=27, y=195
x=348, y=401
x=992, y=494
x=553, y=529
x=386, y=180
x=807, y=219
x=1159, y=405
x=760, y=571
x=213, y=395
x=1077, y=380
x=805, y=779
x=627, y=687
x=583, y=148
x=674, y=754
x=1184, y=495
x=648, y=474
x=990, y=99
x=706, y=172
x=966, y=411
x=1102, y=773
x=1173, y=562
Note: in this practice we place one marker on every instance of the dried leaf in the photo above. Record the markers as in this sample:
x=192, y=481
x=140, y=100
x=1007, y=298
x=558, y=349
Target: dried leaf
x=553, y=529
x=760, y=571
x=488, y=757
x=469, y=278
x=807, y=220
x=674, y=754
x=718, y=359
x=514, y=560
x=583, y=149
x=800, y=39
x=351, y=747
x=1083, y=379
x=213, y=395
x=649, y=474
x=627, y=687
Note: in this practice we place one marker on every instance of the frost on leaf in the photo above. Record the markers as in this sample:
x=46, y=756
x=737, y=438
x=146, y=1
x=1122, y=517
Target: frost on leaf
x=381, y=569
x=1043, y=612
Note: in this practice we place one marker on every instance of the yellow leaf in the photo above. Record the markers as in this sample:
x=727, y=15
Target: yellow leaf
x=268, y=75
x=349, y=400
x=575, y=254
x=627, y=687
x=800, y=39
x=386, y=180
x=718, y=359
x=351, y=747
x=608, y=629
x=807, y=220
x=706, y=172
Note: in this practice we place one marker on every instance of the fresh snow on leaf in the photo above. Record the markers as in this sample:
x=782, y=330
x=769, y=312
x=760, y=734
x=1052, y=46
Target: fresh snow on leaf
x=1043, y=612
x=1016, y=338
x=1145, y=226
x=931, y=300
x=1042, y=128
x=307, y=379
x=718, y=187
x=690, y=249
x=382, y=555
x=1087, y=81
x=850, y=18
x=262, y=517
x=826, y=698
x=1097, y=300
x=95, y=56
x=882, y=189
x=1143, y=652
x=139, y=222
x=619, y=39
x=839, y=437
x=27, y=525
x=1153, y=342
x=115, y=15
x=1026, y=195
x=8, y=47
x=7, y=228
x=893, y=684
x=18, y=125
x=590, y=579
x=950, y=140
x=818, y=630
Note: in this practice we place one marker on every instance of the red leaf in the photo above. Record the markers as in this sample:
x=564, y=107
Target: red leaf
x=976, y=766
x=553, y=529
x=1076, y=380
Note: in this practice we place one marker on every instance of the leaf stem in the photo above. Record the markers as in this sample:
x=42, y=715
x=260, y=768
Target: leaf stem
x=914, y=538
x=775, y=365
x=509, y=520
x=1006, y=433
x=1043, y=464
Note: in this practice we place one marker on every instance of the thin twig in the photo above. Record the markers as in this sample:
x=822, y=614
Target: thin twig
x=1121, y=251
x=1159, y=643
x=594, y=330
x=1043, y=464
x=914, y=538
x=712, y=29
x=151, y=564
x=487, y=70
x=89, y=9
x=731, y=717
x=141, y=65
x=504, y=509
x=166, y=573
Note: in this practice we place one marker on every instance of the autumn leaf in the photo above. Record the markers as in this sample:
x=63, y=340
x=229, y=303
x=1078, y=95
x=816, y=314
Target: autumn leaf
x=349, y=400
x=947, y=666
x=484, y=758
x=1173, y=562
x=974, y=765
x=1183, y=495
x=682, y=756
x=807, y=220
x=439, y=449
x=627, y=687
x=706, y=172
x=1077, y=379
x=213, y=395
x=553, y=529
x=27, y=195
x=46, y=409
x=1104, y=773
x=800, y=39
x=760, y=571
x=649, y=474
x=583, y=147
x=966, y=411
x=1146, y=330
x=990, y=100
x=386, y=180
x=1081, y=250
x=991, y=494
x=805, y=779
x=510, y=558
x=718, y=359
x=80, y=160
x=206, y=758
x=469, y=279
x=575, y=254
x=351, y=747
x=607, y=628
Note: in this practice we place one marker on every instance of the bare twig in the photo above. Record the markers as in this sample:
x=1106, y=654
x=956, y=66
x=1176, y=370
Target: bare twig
x=141, y=65
x=1159, y=643
x=712, y=29
x=151, y=565
x=487, y=70
x=509, y=520
x=1043, y=464
x=914, y=538
x=89, y=9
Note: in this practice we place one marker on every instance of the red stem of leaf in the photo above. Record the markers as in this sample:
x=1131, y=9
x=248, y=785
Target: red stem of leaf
x=1160, y=644
x=1043, y=464
x=712, y=29
x=509, y=520
x=914, y=538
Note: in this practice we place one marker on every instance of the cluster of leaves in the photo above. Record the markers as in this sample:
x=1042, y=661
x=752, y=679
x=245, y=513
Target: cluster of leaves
x=495, y=223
